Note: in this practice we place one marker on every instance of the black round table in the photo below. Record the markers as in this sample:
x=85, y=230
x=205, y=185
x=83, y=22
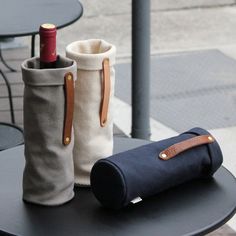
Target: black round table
x=194, y=208
x=23, y=18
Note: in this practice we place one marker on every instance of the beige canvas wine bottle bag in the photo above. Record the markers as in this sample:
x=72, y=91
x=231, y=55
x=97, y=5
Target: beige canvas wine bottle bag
x=94, y=91
x=48, y=177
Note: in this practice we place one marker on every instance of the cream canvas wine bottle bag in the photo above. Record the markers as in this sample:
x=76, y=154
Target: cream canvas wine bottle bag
x=94, y=91
x=48, y=177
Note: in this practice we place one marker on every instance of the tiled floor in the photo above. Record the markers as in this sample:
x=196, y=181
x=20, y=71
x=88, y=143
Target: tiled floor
x=14, y=57
x=186, y=88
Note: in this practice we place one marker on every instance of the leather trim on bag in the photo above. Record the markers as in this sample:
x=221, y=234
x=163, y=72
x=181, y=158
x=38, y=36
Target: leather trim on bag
x=106, y=88
x=177, y=148
x=69, y=107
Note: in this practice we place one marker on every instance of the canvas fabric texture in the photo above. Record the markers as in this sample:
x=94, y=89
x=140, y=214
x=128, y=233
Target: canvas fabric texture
x=92, y=142
x=140, y=173
x=48, y=177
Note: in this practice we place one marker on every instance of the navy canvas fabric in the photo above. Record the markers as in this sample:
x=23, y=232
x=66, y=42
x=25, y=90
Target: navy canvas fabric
x=139, y=172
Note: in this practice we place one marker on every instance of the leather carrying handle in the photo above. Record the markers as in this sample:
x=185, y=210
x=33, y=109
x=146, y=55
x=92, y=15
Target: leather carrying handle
x=69, y=107
x=106, y=89
x=177, y=148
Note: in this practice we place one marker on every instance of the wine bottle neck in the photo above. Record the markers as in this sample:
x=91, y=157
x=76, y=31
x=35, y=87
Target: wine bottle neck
x=48, y=52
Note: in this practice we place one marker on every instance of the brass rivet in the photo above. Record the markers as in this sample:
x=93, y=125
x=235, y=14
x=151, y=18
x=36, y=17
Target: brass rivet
x=210, y=138
x=163, y=155
x=69, y=77
x=67, y=139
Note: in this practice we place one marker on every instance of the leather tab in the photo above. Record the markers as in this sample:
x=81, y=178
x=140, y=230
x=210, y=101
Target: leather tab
x=69, y=107
x=177, y=148
x=106, y=89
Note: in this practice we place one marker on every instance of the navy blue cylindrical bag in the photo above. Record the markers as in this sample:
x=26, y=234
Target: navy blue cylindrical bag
x=147, y=170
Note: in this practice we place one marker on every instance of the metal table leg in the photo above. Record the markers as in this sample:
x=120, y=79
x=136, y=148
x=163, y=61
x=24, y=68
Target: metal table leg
x=4, y=62
x=140, y=69
x=33, y=45
x=9, y=96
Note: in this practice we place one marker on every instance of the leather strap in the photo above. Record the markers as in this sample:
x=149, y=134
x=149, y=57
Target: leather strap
x=69, y=107
x=177, y=148
x=106, y=89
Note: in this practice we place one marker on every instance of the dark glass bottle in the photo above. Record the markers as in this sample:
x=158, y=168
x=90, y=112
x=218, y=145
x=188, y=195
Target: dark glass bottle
x=48, y=54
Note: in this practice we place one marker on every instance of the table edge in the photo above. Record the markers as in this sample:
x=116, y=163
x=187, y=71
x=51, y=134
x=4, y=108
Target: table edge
x=32, y=33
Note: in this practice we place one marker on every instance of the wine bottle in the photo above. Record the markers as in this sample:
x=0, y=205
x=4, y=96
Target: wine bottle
x=48, y=54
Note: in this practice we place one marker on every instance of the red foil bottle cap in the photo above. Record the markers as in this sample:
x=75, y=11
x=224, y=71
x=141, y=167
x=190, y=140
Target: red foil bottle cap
x=47, y=34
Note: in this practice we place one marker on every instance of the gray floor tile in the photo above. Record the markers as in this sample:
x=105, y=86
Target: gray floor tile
x=189, y=89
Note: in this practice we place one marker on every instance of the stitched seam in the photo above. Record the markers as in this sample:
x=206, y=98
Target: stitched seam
x=123, y=178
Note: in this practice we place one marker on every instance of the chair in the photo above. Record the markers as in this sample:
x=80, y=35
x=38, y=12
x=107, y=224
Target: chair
x=8, y=86
x=10, y=136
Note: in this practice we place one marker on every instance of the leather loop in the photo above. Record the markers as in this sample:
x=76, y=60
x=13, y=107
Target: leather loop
x=177, y=148
x=106, y=88
x=69, y=107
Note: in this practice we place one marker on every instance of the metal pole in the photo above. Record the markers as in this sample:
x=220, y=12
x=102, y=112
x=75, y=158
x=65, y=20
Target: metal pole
x=33, y=45
x=140, y=69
